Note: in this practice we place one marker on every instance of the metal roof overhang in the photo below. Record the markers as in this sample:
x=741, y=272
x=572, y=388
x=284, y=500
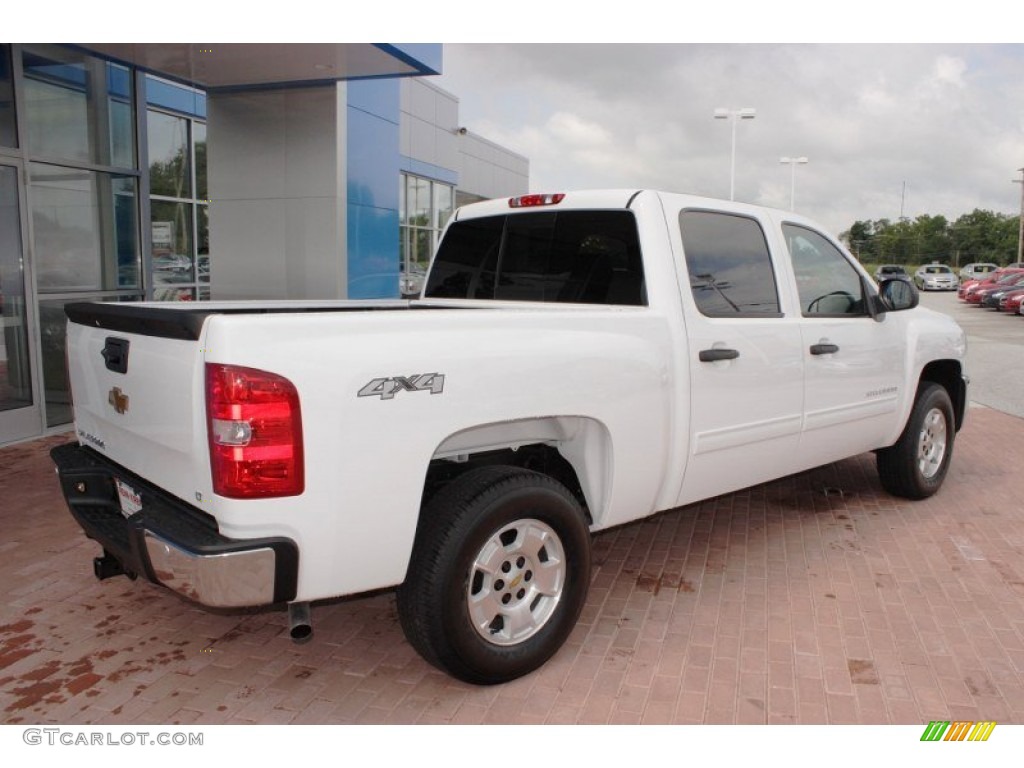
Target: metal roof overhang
x=257, y=66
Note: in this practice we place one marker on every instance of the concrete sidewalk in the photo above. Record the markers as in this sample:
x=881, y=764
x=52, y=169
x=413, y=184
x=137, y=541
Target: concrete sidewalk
x=813, y=599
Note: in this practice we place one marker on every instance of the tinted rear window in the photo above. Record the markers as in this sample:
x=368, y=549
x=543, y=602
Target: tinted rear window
x=583, y=257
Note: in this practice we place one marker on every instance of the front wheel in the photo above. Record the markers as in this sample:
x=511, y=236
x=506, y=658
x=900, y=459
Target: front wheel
x=498, y=575
x=917, y=464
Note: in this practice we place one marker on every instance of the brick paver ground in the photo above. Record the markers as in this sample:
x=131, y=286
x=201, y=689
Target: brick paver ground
x=813, y=599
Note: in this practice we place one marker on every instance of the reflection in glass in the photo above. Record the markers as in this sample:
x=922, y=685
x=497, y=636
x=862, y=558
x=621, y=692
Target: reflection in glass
x=78, y=107
x=424, y=208
x=419, y=202
x=8, y=132
x=445, y=204
x=169, y=167
x=729, y=264
x=15, y=374
x=85, y=229
x=52, y=324
x=199, y=140
x=827, y=283
x=203, y=243
x=173, y=293
x=171, y=241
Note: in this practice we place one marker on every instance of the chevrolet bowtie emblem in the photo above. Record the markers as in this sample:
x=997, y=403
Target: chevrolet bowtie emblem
x=118, y=399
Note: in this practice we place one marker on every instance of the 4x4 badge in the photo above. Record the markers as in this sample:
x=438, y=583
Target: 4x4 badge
x=118, y=399
x=386, y=389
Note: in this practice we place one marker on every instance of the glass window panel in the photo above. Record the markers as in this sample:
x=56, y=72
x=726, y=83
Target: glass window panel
x=84, y=226
x=572, y=257
x=465, y=263
x=199, y=137
x=15, y=370
x=729, y=264
x=402, y=212
x=52, y=331
x=421, y=243
x=78, y=107
x=444, y=204
x=420, y=204
x=169, y=169
x=8, y=125
x=203, y=243
x=122, y=134
x=827, y=283
x=171, y=242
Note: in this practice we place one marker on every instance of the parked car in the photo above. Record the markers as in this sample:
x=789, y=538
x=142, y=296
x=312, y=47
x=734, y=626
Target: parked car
x=937, y=277
x=1011, y=301
x=978, y=270
x=973, y=294
x=891, y=271
x=990, y=298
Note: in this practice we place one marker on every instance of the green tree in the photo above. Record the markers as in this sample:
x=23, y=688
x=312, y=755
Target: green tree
x=977, y=236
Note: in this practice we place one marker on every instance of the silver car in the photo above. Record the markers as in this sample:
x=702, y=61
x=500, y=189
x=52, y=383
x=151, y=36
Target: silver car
x=935, y=277
x=978, y=270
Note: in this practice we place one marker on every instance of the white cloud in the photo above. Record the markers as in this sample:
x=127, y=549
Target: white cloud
x=946, y=121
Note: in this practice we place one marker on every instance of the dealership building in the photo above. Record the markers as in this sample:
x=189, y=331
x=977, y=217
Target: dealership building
x=193, y=172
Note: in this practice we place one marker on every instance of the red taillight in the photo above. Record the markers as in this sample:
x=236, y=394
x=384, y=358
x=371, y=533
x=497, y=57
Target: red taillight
x=255, y=431
x=528, y=201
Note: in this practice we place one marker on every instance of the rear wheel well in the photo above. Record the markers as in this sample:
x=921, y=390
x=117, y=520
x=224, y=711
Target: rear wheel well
x=947, y=374
x=538, y=457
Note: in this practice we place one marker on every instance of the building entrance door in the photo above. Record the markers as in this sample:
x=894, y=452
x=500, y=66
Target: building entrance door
x=20, y=414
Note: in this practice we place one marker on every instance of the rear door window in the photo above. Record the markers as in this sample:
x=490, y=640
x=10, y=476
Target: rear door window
x=729, y=265
x=581, y=257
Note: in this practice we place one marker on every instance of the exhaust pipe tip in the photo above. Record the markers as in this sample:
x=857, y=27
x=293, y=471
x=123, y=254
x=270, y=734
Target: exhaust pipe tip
x=300, y=626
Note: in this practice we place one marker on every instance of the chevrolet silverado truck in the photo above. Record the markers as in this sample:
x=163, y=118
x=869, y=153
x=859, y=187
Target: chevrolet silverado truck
x=576, y=361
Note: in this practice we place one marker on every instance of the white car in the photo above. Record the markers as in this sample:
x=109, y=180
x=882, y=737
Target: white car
x=935, y=277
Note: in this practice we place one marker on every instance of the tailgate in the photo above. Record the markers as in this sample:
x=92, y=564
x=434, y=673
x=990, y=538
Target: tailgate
x=137, y=384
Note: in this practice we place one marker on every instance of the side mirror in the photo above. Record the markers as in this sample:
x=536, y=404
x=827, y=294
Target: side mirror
x=894, y=295
x=897, y=295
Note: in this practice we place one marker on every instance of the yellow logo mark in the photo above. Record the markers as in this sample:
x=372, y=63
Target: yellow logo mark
x=118, y=400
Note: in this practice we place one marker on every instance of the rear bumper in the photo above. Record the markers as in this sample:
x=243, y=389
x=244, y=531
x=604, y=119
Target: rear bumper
x=170, y=542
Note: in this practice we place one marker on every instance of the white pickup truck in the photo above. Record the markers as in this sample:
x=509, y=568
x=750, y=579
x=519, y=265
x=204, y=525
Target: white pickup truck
x=577, y=361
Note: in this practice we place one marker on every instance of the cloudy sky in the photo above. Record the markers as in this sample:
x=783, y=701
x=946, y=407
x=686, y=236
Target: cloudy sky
x=945, y=123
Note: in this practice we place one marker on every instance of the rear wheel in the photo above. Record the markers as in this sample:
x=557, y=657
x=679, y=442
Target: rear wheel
x=917, y=464
x=498, y=575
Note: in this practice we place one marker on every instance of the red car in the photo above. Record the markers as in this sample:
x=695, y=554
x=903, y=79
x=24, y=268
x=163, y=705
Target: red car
x=1011, y=302
x=1004, y=276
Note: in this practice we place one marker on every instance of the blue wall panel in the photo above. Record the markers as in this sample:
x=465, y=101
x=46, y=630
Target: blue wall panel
x=372, y=186
x=179, y=98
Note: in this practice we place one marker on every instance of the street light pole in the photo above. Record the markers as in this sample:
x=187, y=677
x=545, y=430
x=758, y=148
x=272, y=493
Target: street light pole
x=793, y=163
x=746, y=113
x=1020, y=234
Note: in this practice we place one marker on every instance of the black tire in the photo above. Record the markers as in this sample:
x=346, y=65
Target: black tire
x=916, y=465
x=529, y=531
